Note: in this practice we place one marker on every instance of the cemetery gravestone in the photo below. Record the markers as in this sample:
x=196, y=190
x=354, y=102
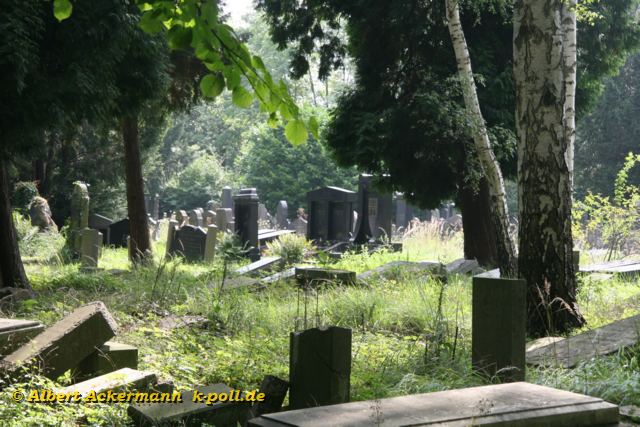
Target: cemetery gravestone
x=118, y=233
x=91, y=247
x=153, y=205
x=227, y=200
x=210, y=243
x=330, y=217
x=15, y=332
x=40, y=214
x=195, y=218
x=190, y=242
x=209, y=218
x=375, y=212
x=246, y=220
x=224, y=219
x=300, y=226
x=182, y=218
x=79, y=214
x=101, y=223
x=319, y=367
x=263, y=215
x=404, y=212
x=109, y=357
x=171, y=232
x=498, y=335
x=282, y=213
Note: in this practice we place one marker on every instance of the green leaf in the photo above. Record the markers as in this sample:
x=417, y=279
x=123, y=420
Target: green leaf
x=296, y=132
x=150, y=23
x=210, y=11
x=256, y=61
x=179, y=37
x=313, y=126
x=241, y=97
x=272, y=121
x=62, y=9
x=212, y=85
x=285, y=112
x=233, y=78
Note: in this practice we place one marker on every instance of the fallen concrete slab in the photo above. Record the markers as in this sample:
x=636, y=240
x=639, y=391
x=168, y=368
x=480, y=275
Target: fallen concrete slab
x=568, y=352
x=110, y=357
x=63, y=345
x=541, y=342
x=122, y=379
x=463, y=266
x=191, y=411
x=15, y=332
x=515, y=404
x=286, y=274
x=261, y=264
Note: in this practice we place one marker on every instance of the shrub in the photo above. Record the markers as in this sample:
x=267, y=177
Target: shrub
x=290, y=247
x=23, y=194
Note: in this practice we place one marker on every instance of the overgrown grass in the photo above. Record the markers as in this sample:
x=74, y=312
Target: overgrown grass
x=411, y=333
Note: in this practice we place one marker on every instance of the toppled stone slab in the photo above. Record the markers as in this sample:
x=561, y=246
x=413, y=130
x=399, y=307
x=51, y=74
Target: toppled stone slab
x=491, y=274
x=463, y=266
x=629, y=268
x=515, y=404
x=261, y=264
x=174, y=321
x=597, y=342
x=274, y=390
x=63, y=345
x=541, y=342
x=394, y=267
x=110, y=357
x=15, y=332
x=122, y=379
x=286, y=274
x=314, y=276
x=189, y=412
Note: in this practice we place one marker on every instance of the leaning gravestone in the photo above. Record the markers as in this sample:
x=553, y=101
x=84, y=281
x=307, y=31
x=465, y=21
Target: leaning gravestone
x=282, y=213
x=190, y=242
x=319, y=367
x=79, y=215
x=499, y=327
x=91, y=248
x=63, y=345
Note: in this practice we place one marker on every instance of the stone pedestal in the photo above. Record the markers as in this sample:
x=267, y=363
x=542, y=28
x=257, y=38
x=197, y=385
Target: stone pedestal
x=90, y=248
x=319, y=367
x=246, y=220
x=498, y=336
x=79, y=215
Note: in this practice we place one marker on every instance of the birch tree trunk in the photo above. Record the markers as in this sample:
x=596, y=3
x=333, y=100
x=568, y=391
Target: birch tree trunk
x=542, y=46
x=569, y=63
x=505, y=246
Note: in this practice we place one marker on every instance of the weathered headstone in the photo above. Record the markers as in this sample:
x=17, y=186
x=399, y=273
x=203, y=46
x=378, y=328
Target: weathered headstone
x=171, y=233
x=330, y=214
x=120, y=380
x=195, y=218
x=40, y=214
x=210, y=218
x=118, y=233
x=227, y=199
x=282, y=214
x=224, y=219
x=182, y=218
x=319, y=367
x=191, y=411
x=246, y=220
x=15, y=332
x=503, y=405
x=263, y=214
x=79, y=215
x=210, y=243
x=499, y=327
x=109, y=357
x=190, y=243
x=91, y=248
x=63, y=345
x=300, y=226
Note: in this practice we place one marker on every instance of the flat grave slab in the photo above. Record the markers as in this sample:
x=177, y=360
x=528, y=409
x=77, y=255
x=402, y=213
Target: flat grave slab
x=315, y=276
x=596, y=342
x=515, y=404
x=463, y=266
x=122, y=379
x=261, y=264
x=286, y=274
x=624, y=267
x=15, y=332
x=64, y=344
x=189, y=412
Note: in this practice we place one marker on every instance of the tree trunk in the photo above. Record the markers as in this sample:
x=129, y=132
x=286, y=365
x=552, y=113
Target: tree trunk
x=544, y=170
x=11, y=269
x=488, y=161
x=569, y=61
x=139, y=238
x=479, y=229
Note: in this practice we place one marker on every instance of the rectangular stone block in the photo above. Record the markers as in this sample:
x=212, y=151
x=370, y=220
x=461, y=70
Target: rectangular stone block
x=505, y=405
x=110, y=357
x=263, y=263
x=122, y=379
x=275, y=390
x=191, y=413
x=319, y=367
x=63, y=345
x=313, y=276
x=498, y=335
x=15, y=332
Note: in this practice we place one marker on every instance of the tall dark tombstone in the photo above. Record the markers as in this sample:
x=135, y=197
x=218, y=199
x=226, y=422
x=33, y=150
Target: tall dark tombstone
x=375, y=212
x=282, y=214
x=118, y=232
x=404, y=212
x=227, y=200
x=330, y=217
x=319, y=367
x=152, y=203
x=190, y=243
x=246, y=220
x=101, y=223
x=171, y=233
x=498, y=332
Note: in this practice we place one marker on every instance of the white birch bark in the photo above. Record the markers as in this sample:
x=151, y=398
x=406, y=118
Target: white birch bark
x=570, y=58
x=488, y=161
